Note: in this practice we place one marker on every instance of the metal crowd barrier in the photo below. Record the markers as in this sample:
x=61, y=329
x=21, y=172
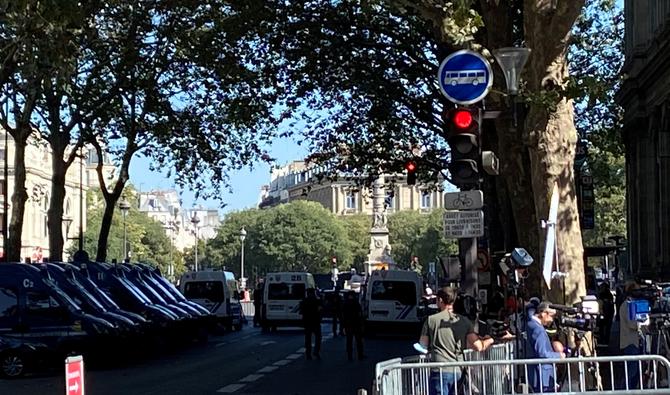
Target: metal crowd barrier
x=248, y=308
x=615, y=375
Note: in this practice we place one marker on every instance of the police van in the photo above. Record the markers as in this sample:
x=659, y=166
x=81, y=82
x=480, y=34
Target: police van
x=392, y=299
x=217, y=292
x=282, y=294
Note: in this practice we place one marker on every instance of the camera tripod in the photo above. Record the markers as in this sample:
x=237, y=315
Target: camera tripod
x=584, y=347
x=656, y=342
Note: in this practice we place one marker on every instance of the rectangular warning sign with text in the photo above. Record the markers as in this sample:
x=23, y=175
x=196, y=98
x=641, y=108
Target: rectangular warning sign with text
x=464, y=223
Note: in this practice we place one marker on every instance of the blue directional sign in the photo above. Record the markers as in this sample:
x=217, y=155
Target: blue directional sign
x=465, y=77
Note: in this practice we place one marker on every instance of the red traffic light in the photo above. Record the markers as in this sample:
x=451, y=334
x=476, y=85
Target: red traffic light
x=462, y=119
x=410, y=166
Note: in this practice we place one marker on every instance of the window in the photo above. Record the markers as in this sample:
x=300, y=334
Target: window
x=389, y=201
x=8, y=302
x=283, y=291
x=210, y=290
x=425, y=200
x=40, y=302
x=351, y=200
x=402, y=291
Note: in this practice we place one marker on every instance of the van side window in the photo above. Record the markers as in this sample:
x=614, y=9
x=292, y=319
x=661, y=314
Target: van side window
x=210, y=290
x=401, y=291
x=39, y=301
x=283, y=291
x=8, y=302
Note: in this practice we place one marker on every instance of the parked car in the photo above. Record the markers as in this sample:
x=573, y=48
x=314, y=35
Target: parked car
x=18, y=356
x=33, y=306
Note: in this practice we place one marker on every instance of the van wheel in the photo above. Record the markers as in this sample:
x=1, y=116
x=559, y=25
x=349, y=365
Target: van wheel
x=12, y=364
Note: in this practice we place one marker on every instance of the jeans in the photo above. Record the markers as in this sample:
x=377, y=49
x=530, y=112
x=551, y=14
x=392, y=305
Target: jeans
x=633, y=368
x=449, y=379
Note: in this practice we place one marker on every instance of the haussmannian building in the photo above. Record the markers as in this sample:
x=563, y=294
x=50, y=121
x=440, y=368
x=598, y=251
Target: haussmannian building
x=297, y=181
x=35, y=232
x=645, y=98
x=165, y=206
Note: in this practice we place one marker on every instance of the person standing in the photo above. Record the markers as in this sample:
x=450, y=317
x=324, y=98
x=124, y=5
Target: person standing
x=445, y=335
x=311, y=309
x=336, y=311
x=352, y=321
x=539, y=346
x=258, y=303
x=629, y=338
x=607, y=309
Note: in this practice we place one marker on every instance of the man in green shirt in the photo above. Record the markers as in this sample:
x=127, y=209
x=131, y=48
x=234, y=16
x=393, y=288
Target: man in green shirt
x=445, y=335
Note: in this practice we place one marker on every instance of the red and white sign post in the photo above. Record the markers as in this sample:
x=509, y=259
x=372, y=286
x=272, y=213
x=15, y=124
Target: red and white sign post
x=74, y=375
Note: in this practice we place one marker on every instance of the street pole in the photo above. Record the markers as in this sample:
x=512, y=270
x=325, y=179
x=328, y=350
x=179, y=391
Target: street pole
x=243, y=281
x=5, y=185
x=467, y=254
x=124, y=206
x=81, y=199
x=196, y=248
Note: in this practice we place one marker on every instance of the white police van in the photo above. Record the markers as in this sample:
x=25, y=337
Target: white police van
x=282, y=294
x=217, y=292
x=392, y=298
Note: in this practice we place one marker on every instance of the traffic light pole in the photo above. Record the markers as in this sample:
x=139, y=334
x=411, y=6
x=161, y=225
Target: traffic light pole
x=467, y=254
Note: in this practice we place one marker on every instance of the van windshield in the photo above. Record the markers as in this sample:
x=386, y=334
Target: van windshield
x=284, y=291
x=210, y=290
x=401, y=291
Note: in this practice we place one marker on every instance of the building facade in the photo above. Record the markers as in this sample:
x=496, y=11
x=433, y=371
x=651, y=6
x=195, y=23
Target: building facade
x=35, y=232
x=296, y=181
x=165, y=206
x=645, y=97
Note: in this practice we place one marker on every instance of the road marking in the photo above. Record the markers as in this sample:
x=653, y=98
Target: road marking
x=268, y=342
x=294, y=356
x=246, y=337
x=250, y=378
x=282, y=362
x=268, y=369
x=221, y=344
x=301, y=350
x=231, y=388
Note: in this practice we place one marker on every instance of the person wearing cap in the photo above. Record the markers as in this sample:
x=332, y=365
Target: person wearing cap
x=445, y=335
x=539, y=346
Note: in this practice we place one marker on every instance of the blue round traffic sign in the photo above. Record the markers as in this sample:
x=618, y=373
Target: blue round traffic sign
x=465, y=77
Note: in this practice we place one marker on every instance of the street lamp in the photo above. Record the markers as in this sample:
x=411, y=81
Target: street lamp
x=511, y=61
x=195, y=221
x=243, y=281
x=124, y=206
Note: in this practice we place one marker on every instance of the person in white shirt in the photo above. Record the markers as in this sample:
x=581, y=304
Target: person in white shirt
x=629, y=338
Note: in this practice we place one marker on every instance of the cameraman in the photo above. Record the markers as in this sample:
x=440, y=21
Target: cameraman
x=629, y=336
x=539, y=346
x=445, y=335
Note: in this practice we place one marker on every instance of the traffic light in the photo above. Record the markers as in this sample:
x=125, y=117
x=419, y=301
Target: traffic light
x=463, y=135
x=410, y=166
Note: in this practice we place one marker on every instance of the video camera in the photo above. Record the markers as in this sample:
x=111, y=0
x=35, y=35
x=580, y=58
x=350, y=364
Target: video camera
x=513, y=264
x=582, y=316
x=467, y=305
x=648, y=302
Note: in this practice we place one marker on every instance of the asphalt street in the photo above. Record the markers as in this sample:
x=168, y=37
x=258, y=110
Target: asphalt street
x=245, y=362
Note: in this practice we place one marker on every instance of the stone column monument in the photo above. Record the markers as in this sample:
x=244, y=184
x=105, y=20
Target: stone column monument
x=380, y=249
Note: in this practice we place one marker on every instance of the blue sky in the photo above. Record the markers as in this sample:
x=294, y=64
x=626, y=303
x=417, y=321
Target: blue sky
x=246, y=183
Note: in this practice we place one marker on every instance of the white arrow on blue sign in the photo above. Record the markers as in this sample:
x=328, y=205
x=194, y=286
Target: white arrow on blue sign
x=465, y=77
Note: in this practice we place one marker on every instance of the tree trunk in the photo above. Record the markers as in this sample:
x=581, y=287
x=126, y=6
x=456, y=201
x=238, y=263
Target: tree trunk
x=540, y=150
x=20, y=196
x=103, y=235
x=55, y=213
x=111, y=198
x=551, y=137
